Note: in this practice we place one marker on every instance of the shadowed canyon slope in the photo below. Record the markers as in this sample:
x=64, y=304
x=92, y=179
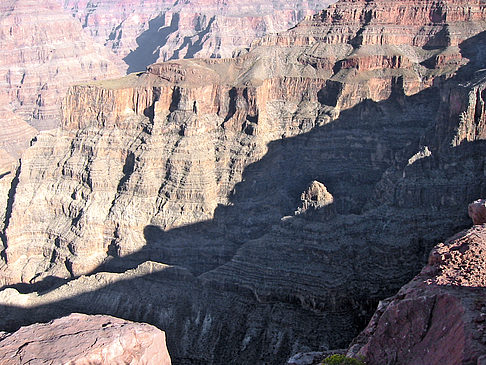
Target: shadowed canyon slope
x=43, y=51
x=259, y=206
x=439, y=317
x=142, y=32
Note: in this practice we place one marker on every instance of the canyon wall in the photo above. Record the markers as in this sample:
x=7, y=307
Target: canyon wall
x=437, y=318
x=259, y=206
x=43, y=51
x=142, y=32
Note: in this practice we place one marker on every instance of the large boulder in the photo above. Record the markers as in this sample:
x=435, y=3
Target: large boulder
x=80, y=339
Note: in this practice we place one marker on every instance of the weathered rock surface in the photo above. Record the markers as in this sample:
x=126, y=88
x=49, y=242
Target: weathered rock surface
x=80, y=339
x=439, y=317
x=169, y=196
x=42, y=52
x=316, y=197
x=15, y=137
x=143, y=32
x=477, y=211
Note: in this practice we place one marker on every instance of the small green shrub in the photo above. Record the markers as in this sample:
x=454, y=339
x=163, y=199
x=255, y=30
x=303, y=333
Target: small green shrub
x=341, y=360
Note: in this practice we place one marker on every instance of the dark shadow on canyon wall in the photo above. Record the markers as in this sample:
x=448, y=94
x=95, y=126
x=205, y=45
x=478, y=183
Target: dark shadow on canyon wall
x=149, y=42
x=398, y=208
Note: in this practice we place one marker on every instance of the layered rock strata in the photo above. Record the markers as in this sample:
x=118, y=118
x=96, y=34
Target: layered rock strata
x=170, y=196
x=439, y=317
x=143, y=32
x=42, y=52
x=80, y=339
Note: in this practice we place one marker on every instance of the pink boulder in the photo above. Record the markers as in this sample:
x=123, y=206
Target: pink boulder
x=79, y=339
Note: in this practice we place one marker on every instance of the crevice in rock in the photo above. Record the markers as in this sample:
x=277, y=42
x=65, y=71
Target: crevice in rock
x=128, y=168
x=233, y=95
x=176, y=99
x=8, y=213
x=150, y=111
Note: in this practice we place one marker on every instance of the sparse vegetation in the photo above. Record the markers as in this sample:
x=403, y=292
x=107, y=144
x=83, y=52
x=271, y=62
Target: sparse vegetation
x=341, y=360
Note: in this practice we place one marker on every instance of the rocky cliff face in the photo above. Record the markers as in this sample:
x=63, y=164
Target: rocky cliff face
x=441, y=308
x=260, y=206
x=142, y=32
x=79, y=339
x=43, y=51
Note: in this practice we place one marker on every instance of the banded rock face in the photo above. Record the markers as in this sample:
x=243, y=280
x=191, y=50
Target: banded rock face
x=43, y=51
x=15, y=137
x=201, y=164
x=144, y=31
x=79, y=339
x=437, y=318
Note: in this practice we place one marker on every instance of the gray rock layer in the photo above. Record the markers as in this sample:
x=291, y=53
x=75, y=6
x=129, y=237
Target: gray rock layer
x=169, y=197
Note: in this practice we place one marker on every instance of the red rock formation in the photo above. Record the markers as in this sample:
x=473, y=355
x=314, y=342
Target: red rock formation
x=80, y=339
x=411, y=22
x=477, y=211
x=201, y=164
x=439, y=317
x=42, y=51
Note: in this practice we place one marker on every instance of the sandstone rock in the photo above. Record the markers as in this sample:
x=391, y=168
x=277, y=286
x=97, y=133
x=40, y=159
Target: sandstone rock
x=143, y=32
x=175, y=181
x=316, y=197
x=477, y=211
x=437, y=318
x=42, y=51
x=82, y=339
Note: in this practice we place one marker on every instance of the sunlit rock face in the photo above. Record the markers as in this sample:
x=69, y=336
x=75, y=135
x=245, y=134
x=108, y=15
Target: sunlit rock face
x=477, y=211
x=170, y=196
x=80, y=339
x=144, y=31
x=442, y=307
x=42, y=52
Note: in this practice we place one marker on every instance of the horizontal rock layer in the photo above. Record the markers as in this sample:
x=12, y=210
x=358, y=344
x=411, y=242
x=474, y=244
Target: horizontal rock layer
x=170, y=196
x=42, y=51
x=142, y=32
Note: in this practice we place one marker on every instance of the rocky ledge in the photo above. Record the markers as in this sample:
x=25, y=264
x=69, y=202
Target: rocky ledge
x=79, y=339
x=440, y=316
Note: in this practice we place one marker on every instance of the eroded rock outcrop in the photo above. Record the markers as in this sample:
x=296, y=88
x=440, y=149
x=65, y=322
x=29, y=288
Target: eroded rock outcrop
x=437, y=318
x=316, y=197
x=81, y=339
x=477, y=211
x=43, y=51
x=169, y=196
x=143, y=32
